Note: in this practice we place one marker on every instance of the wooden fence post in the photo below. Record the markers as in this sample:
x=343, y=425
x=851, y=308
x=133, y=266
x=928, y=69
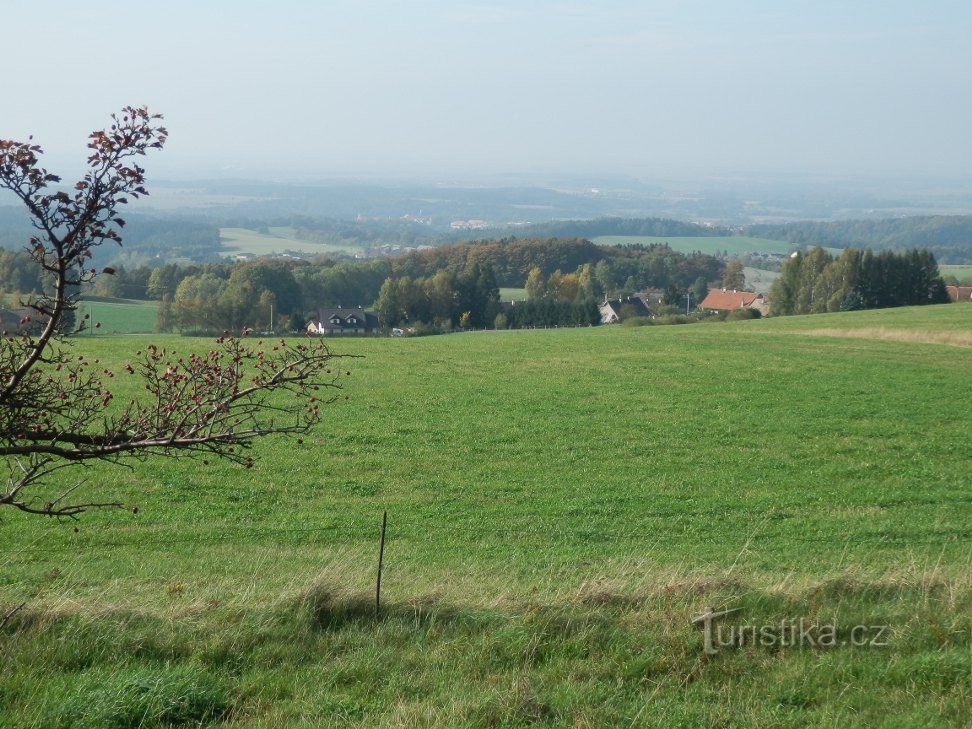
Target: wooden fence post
x=381, y=556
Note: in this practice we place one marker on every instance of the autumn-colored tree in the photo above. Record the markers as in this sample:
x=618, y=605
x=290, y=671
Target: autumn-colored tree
x=536, y=287
x=734, y=277
x=56, y=409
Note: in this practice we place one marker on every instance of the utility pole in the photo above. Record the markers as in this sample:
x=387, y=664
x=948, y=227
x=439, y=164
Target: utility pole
x=688, y=297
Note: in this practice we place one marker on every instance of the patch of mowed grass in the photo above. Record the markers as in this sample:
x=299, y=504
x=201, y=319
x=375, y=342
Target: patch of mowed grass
x=561, y=504
x=907, y=319
x=961, y=272
x=235, y=241
x=732, y=244
x=512, y=294
x=118, y=316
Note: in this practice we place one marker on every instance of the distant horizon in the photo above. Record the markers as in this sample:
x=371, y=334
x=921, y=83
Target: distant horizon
x=486, y=88
x=162, y=170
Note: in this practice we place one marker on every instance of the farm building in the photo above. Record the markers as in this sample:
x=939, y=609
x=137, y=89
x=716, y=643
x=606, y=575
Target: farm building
x=726, y=300
x=343, y=321
x=615, y=310
x=959, y=293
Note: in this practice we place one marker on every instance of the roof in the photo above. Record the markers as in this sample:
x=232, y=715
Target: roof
x=342, y=319
x=633, y=301
x=959, y=293
x=726, y=300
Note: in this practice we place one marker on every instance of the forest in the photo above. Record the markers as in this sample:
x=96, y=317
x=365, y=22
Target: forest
x=816, y=282
x=206, y=297
x=948, y=237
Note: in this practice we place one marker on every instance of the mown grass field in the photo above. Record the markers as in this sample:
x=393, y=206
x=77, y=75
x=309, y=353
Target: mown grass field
x=962, y=273
x=561, y=504
x=118, y=316
x=243, y=240
x=734, y=245
x=512, y=294
x=759, y=279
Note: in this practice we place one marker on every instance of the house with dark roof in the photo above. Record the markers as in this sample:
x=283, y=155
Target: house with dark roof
x=615, y=310
x=959, y=293
x=726, y=300
x=343, y=321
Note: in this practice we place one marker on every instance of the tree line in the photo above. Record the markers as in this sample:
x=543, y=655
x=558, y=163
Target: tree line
x=445, y=301
x=205, y=297
x=815, y=281
x=949, y=237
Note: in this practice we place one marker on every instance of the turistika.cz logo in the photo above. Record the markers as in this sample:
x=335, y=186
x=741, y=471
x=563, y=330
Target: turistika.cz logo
x=799, y=633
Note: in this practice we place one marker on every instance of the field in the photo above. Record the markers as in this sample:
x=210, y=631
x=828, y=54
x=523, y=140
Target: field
x=561, y=504
x=734, y=245
x=277, y=240
x=508, y=294
x=759, y=279
x=118, y=316
x=962, y=273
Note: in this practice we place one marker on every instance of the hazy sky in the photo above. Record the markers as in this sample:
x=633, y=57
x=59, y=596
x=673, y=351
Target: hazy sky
x=466, y=88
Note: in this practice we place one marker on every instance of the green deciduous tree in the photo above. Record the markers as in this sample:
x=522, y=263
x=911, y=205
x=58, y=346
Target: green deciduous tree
x=815, y=282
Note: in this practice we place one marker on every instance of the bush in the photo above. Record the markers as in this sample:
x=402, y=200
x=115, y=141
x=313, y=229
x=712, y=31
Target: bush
x=669, y=310
x=676, y=319
x=743, y=315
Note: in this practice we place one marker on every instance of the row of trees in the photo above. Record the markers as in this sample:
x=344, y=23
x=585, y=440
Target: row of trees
x=612, y=267
x=429, y=286
x=561, y=299
x=815, y=281
x=551, y=312
x=218, y=296
x=445, y=300
x=949, y=237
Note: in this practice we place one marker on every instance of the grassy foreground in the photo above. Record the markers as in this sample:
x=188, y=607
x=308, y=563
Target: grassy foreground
x=561, y=505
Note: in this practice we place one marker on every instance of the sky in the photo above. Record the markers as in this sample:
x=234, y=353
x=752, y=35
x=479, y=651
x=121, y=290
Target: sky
x=465, y=89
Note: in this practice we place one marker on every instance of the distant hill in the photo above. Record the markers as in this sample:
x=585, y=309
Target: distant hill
x=147, y=239
x=949, y=237
x=656, y=227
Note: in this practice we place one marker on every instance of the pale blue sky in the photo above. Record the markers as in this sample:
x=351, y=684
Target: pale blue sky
x=460, y=89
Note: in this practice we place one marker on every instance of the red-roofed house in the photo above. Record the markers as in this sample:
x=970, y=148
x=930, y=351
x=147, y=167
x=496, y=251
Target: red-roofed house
x=726, y=300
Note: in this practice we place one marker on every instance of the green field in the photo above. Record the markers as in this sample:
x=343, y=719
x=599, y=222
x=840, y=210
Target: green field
x=962, y=273
x=242, y=240
x=734, y=245
x=118, y=316
x=508, y=294
x=561, y=504
x=758, y=279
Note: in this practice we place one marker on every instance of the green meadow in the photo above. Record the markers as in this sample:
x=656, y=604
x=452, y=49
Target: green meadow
x=561, y=504
x=278, y=240
x=118, y=316
x=512, y=294
x=733, y=244
x=962, y=273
